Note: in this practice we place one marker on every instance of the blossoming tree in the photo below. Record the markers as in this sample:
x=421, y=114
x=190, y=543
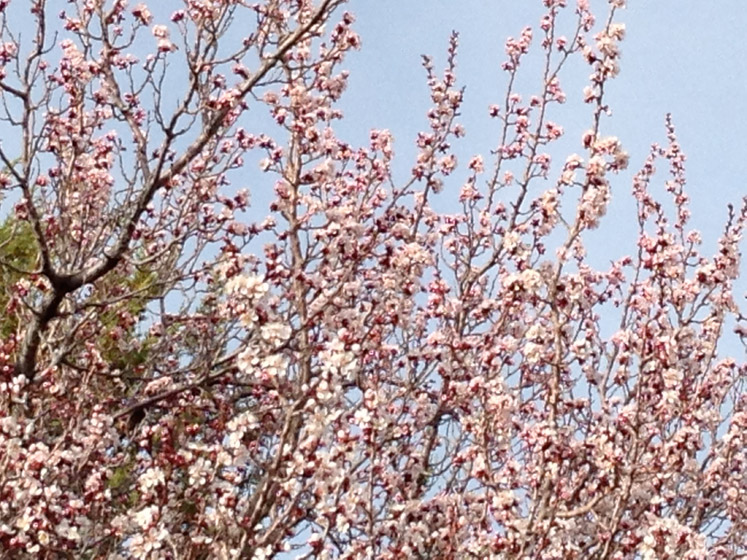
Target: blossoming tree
x=354, y=373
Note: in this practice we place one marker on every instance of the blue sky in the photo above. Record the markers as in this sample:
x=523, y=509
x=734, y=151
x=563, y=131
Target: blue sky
x=680, y=56
x=686, y=57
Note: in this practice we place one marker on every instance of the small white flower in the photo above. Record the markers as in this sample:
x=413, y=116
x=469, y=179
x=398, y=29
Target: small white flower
x=151, y=478
x=160, y=32
x=275, y=333
x=146, y=516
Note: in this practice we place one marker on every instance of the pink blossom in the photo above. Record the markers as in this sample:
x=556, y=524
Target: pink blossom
x=142, y=14
x=356, y=363
x=160, y=32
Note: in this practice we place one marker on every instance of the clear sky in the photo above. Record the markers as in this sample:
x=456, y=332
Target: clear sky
x=686, y=57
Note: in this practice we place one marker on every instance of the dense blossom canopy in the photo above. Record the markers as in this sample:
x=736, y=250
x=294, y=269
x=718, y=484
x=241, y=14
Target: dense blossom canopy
x=353, y=372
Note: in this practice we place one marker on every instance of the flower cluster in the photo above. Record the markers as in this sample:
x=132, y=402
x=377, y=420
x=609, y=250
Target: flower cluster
x=361, y=364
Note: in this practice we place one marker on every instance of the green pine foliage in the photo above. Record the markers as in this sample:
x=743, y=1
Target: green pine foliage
x=18, y=258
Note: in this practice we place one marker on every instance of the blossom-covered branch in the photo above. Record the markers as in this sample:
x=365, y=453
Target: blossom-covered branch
x=377, y=366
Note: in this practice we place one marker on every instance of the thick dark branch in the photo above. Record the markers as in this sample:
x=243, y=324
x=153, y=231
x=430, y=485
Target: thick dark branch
x=26, y=363
x=215, y=125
